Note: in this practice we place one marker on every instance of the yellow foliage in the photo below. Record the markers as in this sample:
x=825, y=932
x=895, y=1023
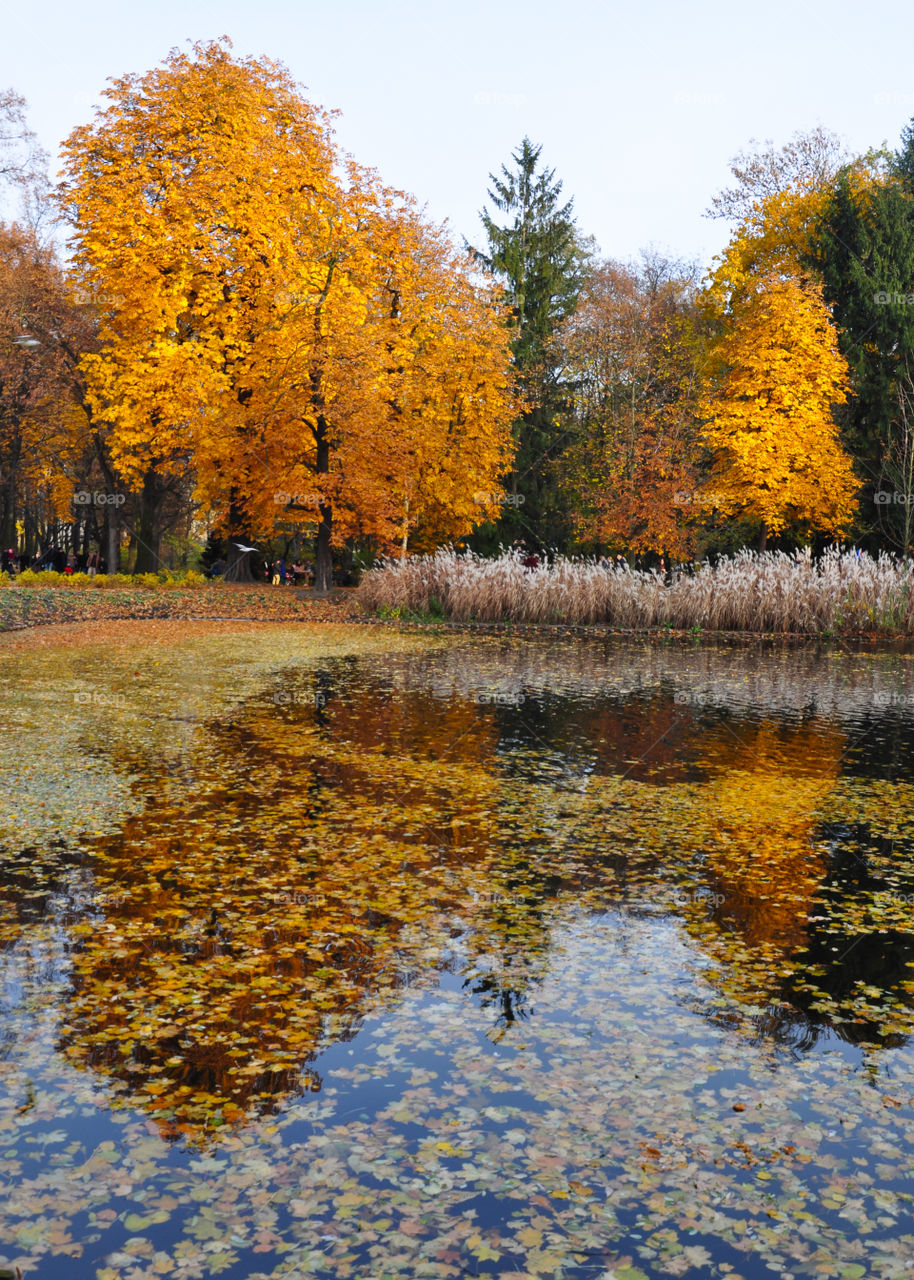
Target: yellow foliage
x=296, y=337
x=768, y=416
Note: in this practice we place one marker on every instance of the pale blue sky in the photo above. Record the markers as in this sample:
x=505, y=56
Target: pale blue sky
x=639, y=106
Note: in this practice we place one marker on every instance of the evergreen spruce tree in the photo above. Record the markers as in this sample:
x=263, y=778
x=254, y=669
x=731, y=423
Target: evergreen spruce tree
x=538, y=255
x=865, y=253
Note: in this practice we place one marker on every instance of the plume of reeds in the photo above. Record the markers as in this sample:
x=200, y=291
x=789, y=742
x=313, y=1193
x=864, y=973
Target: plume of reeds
x=750, y=591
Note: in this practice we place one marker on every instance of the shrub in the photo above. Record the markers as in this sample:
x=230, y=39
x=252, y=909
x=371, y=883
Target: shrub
x=107, y=581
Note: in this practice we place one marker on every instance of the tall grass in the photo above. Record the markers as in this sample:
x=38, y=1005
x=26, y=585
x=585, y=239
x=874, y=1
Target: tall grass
x=767, y=592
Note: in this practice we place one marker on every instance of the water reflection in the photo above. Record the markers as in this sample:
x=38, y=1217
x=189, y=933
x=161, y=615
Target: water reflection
x=509, y=907
x=318, y=851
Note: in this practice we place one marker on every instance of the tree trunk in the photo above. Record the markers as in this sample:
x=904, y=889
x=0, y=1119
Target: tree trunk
x=237, y=562
x=147, y=528
x=323, y=560
x=31, y=534
x=405, y=539
x=763, y=538
x=113, y=556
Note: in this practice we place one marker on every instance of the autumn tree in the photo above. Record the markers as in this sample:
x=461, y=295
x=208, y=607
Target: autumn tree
x=246, y=336
x=808, y=162
x=408, y=406
x=46, y=445
x=449, y=385
x=535, y=250
x=192, y=198
x=768, y=415
x=632, y=350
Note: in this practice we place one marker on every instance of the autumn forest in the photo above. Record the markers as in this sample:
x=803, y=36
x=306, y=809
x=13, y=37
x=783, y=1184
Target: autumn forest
x=218, y=330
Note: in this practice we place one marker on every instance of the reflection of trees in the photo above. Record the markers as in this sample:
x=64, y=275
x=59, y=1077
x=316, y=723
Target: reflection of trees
x=253, y=920
x=767, y=782
x=738, y=677
x=312, y=856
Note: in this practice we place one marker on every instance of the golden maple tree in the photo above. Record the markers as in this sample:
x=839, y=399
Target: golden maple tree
x=273, y=319
x=190, y=196
x=767, y=416
x=408, y=409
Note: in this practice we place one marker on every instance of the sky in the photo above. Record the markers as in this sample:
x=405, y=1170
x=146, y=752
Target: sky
x=639, y=106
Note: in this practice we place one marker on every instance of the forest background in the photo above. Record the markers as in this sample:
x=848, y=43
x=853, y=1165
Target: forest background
x=217, y=330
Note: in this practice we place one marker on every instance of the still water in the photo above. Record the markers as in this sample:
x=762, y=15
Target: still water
x=342, y=952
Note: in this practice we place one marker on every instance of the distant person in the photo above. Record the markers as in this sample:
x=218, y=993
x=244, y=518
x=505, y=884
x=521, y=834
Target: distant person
x=92, y=564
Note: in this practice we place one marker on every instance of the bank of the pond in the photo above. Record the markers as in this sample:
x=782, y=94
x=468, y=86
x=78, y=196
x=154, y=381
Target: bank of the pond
x=27, y=608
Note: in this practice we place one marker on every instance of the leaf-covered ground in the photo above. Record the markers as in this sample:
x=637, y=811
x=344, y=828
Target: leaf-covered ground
x=349, y=952
x=22, y=607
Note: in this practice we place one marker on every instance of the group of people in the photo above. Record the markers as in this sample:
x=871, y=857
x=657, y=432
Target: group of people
x=297, y=574
x=55, y=560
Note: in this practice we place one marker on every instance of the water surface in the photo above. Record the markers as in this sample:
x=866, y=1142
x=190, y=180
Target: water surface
x=342, y=952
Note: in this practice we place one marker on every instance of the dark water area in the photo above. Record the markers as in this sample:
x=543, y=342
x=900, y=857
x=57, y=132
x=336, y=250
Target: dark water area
x=334, y=953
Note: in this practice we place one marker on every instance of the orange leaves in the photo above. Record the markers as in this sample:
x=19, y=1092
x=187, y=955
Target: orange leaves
x=631, y=349
x=275, y=327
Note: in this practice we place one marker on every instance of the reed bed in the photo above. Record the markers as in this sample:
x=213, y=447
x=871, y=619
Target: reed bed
x=839, y=591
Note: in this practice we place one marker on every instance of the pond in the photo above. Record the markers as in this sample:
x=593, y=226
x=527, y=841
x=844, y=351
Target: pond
x=348, y=952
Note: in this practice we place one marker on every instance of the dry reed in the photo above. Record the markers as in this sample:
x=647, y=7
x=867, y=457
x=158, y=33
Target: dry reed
x=840, y=591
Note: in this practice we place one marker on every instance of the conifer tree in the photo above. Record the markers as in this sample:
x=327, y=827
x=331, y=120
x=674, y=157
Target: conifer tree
x=538, y=255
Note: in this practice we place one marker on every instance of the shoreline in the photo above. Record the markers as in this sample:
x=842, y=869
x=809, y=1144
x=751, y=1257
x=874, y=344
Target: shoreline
x=49, y=608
